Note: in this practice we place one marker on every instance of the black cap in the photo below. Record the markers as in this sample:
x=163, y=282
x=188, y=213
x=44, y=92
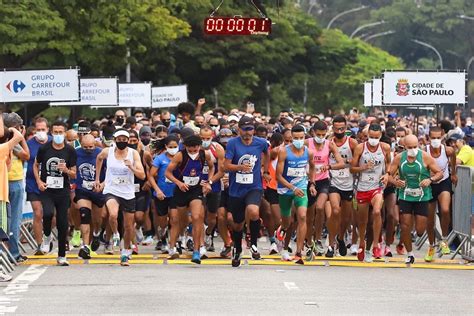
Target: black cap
x=456, y=136
x=246, y=121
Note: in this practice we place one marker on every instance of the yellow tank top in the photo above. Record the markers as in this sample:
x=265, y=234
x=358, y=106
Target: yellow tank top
x=16, y=170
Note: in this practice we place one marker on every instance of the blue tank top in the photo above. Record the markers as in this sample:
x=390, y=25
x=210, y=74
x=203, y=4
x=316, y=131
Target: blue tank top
x=190, y=171
x=216, y=186
x=166, y=186
x=294, y=171
x=86, y=169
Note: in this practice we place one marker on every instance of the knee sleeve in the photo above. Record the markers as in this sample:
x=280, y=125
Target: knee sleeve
x=86, y=216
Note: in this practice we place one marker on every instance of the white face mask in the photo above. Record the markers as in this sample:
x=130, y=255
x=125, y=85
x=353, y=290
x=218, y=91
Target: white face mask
x=398, y=140
x=374, y=141
x=172, y=151
x=319, y=140
x=412, y=152
x=206, y=143
x=436, y=143
x=41, y=136
x=193, y=156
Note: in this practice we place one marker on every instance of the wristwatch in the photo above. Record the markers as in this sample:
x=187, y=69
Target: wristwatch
x=210, y=182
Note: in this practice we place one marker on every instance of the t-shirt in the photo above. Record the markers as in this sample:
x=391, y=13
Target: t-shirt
x=241, y=183
x=33, y=146
x=86, y=169
x=466, y=155
x=49, y=159
x=4, y=155
x=16, y=167
x=161, y=162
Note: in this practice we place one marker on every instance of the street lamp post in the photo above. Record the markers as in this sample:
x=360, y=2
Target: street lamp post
x=465, y=17
x=433, y=49
x=344, y=13
x=379, y=35
x=360, y=28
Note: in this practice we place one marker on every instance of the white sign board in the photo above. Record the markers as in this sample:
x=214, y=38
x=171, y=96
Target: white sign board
x=39, y=85
x=403, y=87
x=367, y=94
x=95, y=91
x=135, y=95
x=163, y=97
x=377, y=92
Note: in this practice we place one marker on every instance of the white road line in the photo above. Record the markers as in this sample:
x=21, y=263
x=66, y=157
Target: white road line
x=13, y=292
x=291, y=286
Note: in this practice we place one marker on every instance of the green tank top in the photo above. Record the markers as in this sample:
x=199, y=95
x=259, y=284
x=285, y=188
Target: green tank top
x=413, y=173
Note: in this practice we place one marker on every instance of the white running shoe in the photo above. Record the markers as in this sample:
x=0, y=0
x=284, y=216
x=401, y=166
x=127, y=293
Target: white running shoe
x=45, y=245
x=5, y=277
x=354, y=249
x=165, y=249
x=147, y=241
x=273, y=249
x=139, y=235
x=285, y=256
x=173, y=253
x=208, y=241
x=203, y=251
x=368, y=257
x=62, y=262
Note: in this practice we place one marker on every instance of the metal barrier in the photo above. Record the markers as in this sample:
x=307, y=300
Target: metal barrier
x=462, y=213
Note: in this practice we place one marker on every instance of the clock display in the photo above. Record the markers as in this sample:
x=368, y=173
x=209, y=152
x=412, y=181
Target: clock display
x=237, y=26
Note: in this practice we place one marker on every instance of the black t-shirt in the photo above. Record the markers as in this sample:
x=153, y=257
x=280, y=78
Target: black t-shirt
x=49, y=159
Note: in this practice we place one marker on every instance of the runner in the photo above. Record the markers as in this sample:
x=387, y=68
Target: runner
x=123, y=164
x=445, y=158
x=243, y=161
x=57, y=162
x=371, y=161
x=413, y=180
x=292, y=183
x=185, y=170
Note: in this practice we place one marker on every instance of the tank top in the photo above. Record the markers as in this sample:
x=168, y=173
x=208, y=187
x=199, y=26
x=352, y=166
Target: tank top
x=138, y=183
x=370, y=179
x=119, y=179
x=216, y=186
x=272, y=165
x=190, y=171
x=442, y=161
x=294, y=171
x=320, y=158
x=413, y=173
x=342, y=178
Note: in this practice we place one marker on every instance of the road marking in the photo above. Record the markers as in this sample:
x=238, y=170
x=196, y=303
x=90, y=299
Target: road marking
x=291, y=286
x=14, y=291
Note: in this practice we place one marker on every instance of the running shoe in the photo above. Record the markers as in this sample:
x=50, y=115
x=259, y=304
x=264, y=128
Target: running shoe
x=196, y=257
x=443, y=245
x=85, y=253
x=285, y=256
x=329, y=252
x=280, y=234
x=226, y=251
x=135, y=249
x=410, y=260
x=298, y=259
x=173, y=253
x=236, y=258
x=208, y=241
x=116, y=243
x=319, y=248
x=255, y=253
x=387, y=251
x=368, y=257
x=377, y=252
x=76, y=238
x=400, y=249
x=273, y=248
x=211, y=248
x=190, y=244
x=46, y=245
x=108, y=249
x=139, y=235
x=341, y=246
x=21, y=259
x=159, y=245
x=147, y=241
x=430, y=254
x=61, y=261
x=5, y=277
x=360, y=254
x=95, y=243
x=203, y=252
x=165, y=249
x=124, y=260
x=354, y=248
x=39, y=251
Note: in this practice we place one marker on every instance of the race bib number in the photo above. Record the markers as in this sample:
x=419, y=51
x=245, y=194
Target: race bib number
x=414, y=192
x=192, y=181
x=342, y=173
x=205, y=170
x=137, y=187
x=244, y=178
x=368, y=177
x=318, y=168
x=55, y=182
x=296, y=172
x=121, y=180
x=88, y=185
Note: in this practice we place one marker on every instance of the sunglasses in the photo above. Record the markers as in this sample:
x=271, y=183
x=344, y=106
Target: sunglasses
x=248, y=128
x=214, y=125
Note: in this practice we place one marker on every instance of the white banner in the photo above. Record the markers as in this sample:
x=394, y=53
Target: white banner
x=95, y=91
x=135, y=95
x=403, y=87
x=39, y=85
x=163, y=97
x=377, y=92
x=367, y=94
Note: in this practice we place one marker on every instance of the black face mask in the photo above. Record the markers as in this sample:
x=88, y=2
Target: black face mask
x=199, y=125
x=133, y=146
x=89, y=151
x=339, y=135
x=145, y=141
x=120, y=120
x=166, y=123
x=121, y=145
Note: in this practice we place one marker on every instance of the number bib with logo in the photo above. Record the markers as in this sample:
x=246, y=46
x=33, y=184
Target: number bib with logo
x=317, y=168
x=88, y=185
x=137, y=187
x=55, y=182
x=368, y=177
x=343, y=173
x=296, y=172
x=244, y=178
x=205, y=169
x=414, y=192
x=121, y=180
x=192, y=181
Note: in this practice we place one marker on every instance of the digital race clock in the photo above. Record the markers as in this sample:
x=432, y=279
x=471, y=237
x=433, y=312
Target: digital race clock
x=237, y=26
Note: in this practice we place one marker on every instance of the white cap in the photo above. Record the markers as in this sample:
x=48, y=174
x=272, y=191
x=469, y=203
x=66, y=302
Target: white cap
x=233, y=118
x=121, y=132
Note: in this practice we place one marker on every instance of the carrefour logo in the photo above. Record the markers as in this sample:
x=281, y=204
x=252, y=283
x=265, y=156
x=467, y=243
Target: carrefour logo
x=15, y=86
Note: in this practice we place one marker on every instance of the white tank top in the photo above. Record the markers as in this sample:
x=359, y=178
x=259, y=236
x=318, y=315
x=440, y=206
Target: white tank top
x=370, y=179
x=119, y=179
x=442, y=161
x=342, y=178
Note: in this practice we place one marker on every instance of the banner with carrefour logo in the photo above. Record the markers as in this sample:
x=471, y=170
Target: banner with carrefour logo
x=39, y=85
x=95, y=92
x=412, y=87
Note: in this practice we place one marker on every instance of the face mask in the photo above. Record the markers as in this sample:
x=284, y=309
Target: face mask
x=412, y=152
x=382, y=127
x=145, y=141
x=41, y=136
x=121, y=145
x=193, y=156
x=119, y=120
x=206, y=143
x=374, y=141
x=58, y=139
x=339, y=135
x=89, y=151
x=398, y=140
x=436, y=143
x=215, y=128
x=298, y=143
x=319, y=140
x=392, y=146
x=198, y=125
x=133, y=146
x=172, y=151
